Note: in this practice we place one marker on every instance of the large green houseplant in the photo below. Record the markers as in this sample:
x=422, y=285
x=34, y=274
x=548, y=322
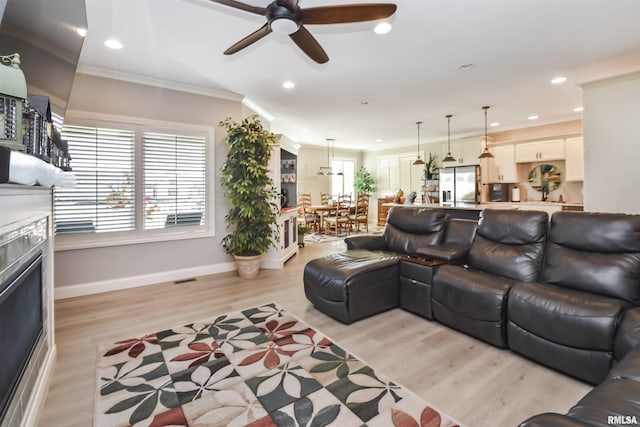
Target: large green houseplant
x=363, y=181
x=253, y=212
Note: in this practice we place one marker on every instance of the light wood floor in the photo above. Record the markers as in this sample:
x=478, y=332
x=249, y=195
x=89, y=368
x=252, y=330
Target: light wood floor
x=475, y=383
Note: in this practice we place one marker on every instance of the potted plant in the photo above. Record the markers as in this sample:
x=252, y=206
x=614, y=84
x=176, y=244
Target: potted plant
x=302, y=230
x=430, y=166
x=247, y=186
x=363, y=181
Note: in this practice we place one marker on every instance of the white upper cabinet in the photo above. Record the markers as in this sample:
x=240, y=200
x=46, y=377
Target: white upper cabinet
x=574, y=163
x=537, y=151
x=465, y=153
x=502, y=167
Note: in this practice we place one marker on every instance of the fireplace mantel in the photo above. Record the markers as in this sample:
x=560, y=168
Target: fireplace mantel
x=21, y=206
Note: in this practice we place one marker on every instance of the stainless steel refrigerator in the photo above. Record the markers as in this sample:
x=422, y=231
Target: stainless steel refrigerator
x=460, y=184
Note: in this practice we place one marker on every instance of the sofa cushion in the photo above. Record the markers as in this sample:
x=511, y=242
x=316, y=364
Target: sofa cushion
x=595, y=252
x=330, y=276
x=457, y=241
x=408, y=229
x=510, y=243
x=627, y=334
x=571, y=318
x=471, y=293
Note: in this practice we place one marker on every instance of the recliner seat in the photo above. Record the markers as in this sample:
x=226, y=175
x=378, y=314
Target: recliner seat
x=507, y=248
x=590, y=276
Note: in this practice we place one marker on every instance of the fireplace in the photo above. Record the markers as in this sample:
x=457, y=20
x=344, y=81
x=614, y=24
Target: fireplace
x=25, y=338
x=20, y=325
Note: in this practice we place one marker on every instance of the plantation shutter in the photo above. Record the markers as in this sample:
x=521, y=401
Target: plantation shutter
x=104, y=198
x=174, y=180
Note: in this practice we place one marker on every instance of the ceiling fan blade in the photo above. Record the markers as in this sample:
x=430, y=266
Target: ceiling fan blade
x=250, y=39
x=309, y=45
x=242, y=6
x=341, y=14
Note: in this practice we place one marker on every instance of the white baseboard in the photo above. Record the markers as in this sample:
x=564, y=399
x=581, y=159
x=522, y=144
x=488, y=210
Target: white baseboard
x=141, y=280
x=41, y=388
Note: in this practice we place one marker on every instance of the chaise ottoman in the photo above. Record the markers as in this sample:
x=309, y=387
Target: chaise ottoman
x=352, y=285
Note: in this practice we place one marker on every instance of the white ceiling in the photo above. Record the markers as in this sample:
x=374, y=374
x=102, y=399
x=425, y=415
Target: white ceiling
x=410, y=74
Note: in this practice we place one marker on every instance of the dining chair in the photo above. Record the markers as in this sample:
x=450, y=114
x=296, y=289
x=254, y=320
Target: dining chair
x=361, y=213
x=340, y=221
x=307, y=217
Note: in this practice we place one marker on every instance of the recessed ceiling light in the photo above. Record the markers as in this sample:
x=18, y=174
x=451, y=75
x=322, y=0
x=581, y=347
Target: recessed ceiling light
x=578, y=109
x=466, y=67
x=113, y=44
x=288, y=84
x=382, y=28
x=81, y=31
x=305, y=130
x=533, y=117
x=378, y=140
x=494, y=124
x=558, y=80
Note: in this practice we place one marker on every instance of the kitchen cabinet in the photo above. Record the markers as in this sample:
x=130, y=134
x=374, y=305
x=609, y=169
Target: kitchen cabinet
x=538, y=151
x=282, y=165
x=465, y=152
x=388, y=175
x=502, y=167
x=574, y=162
x=410, y=174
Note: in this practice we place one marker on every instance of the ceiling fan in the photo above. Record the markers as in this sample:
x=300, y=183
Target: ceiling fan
x=285, y=16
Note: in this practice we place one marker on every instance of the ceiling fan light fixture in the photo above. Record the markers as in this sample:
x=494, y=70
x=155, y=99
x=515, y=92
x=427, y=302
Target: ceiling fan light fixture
x=486, y=154
x=284, y=26
x=449, y=158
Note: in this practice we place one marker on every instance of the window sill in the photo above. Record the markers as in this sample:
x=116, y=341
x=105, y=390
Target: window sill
x=100, y=240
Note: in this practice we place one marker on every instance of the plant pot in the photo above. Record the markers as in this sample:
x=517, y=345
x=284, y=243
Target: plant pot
x=248, y=266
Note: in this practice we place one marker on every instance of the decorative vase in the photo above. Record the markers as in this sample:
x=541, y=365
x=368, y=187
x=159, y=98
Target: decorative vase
x=248, y=266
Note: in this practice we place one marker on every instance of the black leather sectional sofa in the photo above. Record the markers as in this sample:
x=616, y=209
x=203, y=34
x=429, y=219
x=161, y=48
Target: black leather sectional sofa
x=564, y=292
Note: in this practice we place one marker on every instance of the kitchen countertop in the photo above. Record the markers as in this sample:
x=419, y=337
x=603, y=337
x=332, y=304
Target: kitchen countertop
x=491, y=205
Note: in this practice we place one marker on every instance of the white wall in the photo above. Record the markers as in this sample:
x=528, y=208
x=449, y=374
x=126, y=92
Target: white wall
x=112, y=267
x=612, y=144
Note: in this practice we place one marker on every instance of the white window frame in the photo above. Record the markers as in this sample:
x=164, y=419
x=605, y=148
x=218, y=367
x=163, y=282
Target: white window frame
x=355, y=170
x=140, y=235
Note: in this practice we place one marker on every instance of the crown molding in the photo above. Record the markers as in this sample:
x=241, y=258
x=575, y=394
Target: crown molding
x=180, y=87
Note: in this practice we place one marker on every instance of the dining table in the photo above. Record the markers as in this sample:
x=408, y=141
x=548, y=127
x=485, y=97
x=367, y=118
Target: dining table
x=324, y=210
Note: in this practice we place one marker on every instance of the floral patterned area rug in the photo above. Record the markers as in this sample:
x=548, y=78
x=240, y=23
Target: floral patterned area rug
x=257, y=367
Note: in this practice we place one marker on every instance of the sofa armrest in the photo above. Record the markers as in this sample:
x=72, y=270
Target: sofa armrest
x=549, y=419
x=627, y=334
x=372, y=243
x=450, y=252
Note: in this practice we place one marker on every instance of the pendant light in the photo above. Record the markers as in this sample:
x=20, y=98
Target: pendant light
x=449, y=157
x=329, y=144
x=419, y=161
x=486, y=154
x=323, y=168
